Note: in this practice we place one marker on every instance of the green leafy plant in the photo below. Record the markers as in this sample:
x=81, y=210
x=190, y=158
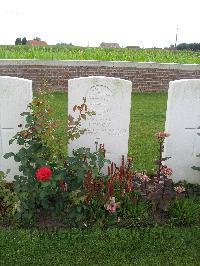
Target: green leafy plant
x=184, y=212
x=41, y=151
x=134, y=212
x=157, y=189
x=74, y=129
x=84, y=175
x=8, y=201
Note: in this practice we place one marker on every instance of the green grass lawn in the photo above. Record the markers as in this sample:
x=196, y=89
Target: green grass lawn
x=147, y=117
x=51, y=52
x=150, y=246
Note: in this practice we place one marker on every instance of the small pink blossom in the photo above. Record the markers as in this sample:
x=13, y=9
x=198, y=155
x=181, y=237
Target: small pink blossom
x=179, y=189
x=112, y=205
x=166, y=171
x=144, y=178
x=162, y=135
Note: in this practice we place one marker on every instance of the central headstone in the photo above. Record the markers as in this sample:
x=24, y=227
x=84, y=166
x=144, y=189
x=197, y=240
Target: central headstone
x=110, y=99
x=182, y=122
x=15, y=95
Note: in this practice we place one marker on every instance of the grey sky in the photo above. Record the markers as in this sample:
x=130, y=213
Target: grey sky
x=128, y=22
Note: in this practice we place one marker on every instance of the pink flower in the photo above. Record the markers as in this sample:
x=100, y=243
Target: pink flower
x=144, y=178
x=112, y=205
x=179, y=189
x=166, y=171
x=162, y=135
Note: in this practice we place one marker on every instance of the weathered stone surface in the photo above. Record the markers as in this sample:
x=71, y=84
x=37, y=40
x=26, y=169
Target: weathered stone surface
x=15, y=95
x=182, y=122
x=110, y=98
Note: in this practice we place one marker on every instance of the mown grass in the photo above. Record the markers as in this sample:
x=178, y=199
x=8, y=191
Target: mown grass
x=147, y=118
x=149, y=246
x=91, y=53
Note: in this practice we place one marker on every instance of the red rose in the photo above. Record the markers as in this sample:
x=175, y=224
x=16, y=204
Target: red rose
x=44, y=174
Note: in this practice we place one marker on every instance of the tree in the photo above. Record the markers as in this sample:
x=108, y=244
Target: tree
x=24, y=41
x=37, y=39
x=64, y=44
x=189, y=46
x=18, y=41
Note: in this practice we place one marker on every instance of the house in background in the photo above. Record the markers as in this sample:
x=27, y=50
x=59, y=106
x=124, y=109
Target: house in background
x=109, y=45
x=36, y=43
x=133, y=47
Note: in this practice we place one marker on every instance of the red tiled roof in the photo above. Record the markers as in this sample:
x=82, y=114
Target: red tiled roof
x=35, y=43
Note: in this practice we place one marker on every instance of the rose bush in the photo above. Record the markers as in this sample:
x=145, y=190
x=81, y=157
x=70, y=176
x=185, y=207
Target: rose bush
x=41, y=186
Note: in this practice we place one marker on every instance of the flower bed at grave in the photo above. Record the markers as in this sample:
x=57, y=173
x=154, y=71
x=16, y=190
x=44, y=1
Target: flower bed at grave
x=53, y=190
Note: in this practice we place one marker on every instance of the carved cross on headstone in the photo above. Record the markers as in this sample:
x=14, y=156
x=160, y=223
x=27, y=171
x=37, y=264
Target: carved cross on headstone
x=15, y=95
x=182, y=122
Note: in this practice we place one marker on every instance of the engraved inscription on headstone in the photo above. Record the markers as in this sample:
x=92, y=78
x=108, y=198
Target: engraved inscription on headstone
x=182, y=122
x=99, y=97
x=110, y=98
x=15, y=95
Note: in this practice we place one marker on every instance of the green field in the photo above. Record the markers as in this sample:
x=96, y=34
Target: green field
x=147, y=118
x=150, y=246
x=89, y=53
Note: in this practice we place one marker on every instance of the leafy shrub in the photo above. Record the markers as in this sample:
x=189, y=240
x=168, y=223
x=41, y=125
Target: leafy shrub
x=84, y=176
x=8, y=201
x=184, y=212
x=41, y=149
x=102, y=199
x=192, y=190
x=135, y=213
x=120, y=196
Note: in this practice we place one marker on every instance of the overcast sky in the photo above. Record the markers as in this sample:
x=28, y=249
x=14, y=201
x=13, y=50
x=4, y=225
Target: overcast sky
x=147, y=23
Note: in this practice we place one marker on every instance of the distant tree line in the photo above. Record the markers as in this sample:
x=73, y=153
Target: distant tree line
x=64, y=44
x=23, y=41
x=188, y=46
x=20, y=41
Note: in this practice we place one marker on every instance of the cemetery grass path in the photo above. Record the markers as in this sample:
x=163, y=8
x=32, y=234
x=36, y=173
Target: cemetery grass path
x=147, y=118
x=145, y=246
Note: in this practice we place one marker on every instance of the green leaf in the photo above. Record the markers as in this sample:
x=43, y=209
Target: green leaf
x=29, y=119
x=11, y=141
x=196, y=168
x=17, y=158
x=8, y=155
x=25, y=113
x=45, y=184
x=20, y=141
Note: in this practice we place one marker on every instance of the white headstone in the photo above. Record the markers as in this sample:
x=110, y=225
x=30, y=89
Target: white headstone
x=15, y=95
x=182, y=122
x=110, y=98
